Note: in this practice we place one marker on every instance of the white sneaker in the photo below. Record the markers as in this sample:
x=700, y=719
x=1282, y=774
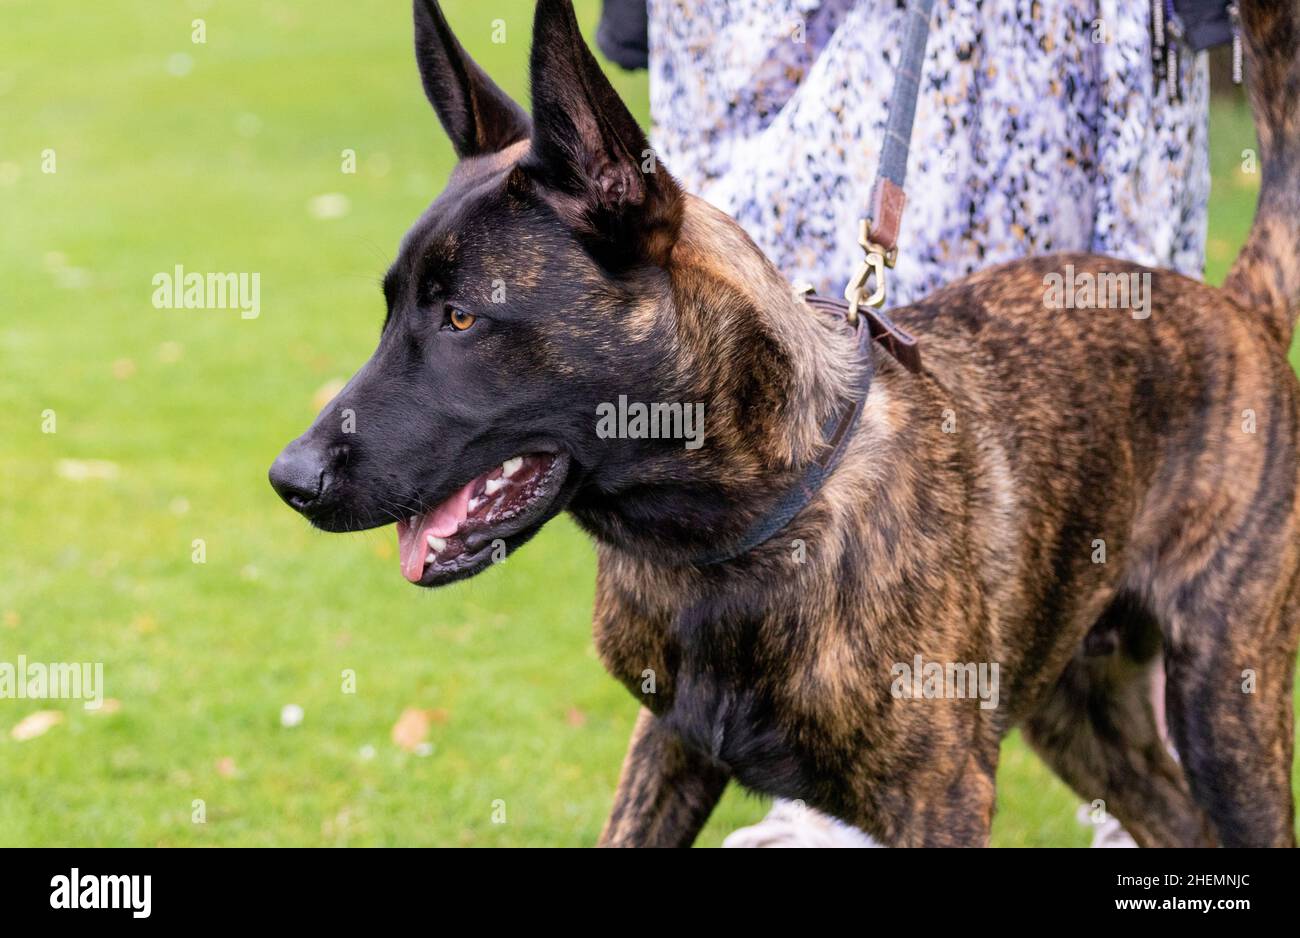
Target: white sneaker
x=792, y=824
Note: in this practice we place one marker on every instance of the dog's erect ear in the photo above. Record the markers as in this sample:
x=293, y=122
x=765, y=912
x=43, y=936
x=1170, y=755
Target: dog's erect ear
x=478, y=116
x=588, y=149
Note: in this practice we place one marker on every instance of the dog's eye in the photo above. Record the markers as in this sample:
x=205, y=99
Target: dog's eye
x=459, y=320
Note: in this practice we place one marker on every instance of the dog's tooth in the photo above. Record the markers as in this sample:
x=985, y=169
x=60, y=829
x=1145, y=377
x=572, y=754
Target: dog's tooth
x=494, y=486
x=430, y=558
x=511, y=466
x=474, y=503
x=437, y=543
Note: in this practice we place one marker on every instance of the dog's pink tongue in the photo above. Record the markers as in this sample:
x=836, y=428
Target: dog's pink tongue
x=446, y=518
x=411, y=549
x=443, y=521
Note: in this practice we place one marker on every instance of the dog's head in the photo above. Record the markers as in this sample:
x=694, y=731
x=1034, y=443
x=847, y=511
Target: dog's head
x=535, y=289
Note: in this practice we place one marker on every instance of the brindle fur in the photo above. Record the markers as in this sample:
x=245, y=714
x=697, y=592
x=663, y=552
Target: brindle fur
x=961, y=524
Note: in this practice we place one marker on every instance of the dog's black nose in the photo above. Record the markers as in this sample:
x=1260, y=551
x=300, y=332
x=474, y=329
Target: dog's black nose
x=297, y=474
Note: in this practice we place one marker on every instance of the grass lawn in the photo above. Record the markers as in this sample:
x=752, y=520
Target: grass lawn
x=226, y=156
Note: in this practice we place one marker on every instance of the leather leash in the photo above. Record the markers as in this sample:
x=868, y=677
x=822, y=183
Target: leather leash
x=878, y=232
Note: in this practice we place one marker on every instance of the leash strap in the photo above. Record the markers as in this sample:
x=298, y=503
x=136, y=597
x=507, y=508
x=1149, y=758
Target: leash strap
x=887, y=195
x=896, y=340
x=878, y=232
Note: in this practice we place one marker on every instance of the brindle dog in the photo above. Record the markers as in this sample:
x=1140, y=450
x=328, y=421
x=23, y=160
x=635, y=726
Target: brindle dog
x=967, y=522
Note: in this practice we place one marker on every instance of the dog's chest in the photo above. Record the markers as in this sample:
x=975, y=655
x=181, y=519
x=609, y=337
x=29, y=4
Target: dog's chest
x=700, y=673
x=737, y=724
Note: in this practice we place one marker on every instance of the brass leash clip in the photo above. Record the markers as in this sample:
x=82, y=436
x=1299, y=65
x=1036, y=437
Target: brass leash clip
x=875, y=262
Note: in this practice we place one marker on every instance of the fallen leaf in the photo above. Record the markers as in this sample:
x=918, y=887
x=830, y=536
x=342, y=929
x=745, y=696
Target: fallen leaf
x=411, y=728
x=575, y=717
x=36, y=724
x=226, y=767
x=106, y=706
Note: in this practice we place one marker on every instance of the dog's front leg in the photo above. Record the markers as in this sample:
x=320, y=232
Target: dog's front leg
x=665, y=792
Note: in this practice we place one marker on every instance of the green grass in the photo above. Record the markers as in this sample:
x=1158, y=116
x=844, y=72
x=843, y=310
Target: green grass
x=215, y=169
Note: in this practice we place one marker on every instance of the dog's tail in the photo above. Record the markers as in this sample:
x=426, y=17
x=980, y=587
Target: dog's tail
x=1266, y=275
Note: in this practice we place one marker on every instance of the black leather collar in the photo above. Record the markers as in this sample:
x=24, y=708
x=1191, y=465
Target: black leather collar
x=837, y=431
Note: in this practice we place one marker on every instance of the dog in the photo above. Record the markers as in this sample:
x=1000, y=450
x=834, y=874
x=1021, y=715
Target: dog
x=1080, y=501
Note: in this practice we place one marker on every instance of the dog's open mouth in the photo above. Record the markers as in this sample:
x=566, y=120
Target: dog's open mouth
x=459, y=536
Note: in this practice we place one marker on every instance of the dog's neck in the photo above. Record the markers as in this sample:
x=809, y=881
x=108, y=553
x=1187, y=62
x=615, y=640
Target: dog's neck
x=770, y=371
x=732, y=301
